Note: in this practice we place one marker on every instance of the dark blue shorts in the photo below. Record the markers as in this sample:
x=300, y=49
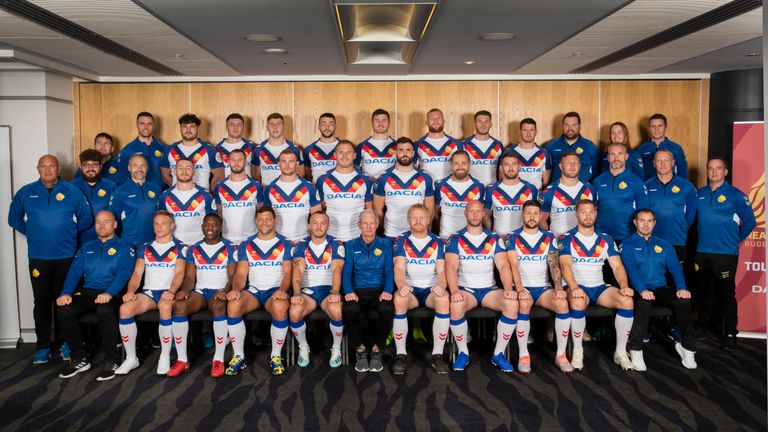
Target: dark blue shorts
x=154, y=294
x=262, y=295
x=208, y=293
x=318, y=294
x=593, y=293
x=536, y=292
x=478, y=293
x=421, y=295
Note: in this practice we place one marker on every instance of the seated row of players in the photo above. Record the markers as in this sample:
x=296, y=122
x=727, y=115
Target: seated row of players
x=265, y=268
x=539, y=165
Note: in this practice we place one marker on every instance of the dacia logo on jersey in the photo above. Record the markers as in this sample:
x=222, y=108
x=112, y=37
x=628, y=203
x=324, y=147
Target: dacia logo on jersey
x=420, y=261
x=287, y=205
x=657, y=249
x=348, y=195
x=531, y=170
x=112, y=170
x=675, y=189
x=60, y=196
x=405, y=192
x=318, y=266
x=151, y=194
x=565, y=209
x=476, y=257
x=720, y=199
x=237, y=204
x=274, y=167
x=435, y=159
x=101, y=192
x=265, y=263
x=579, y=150
x=211, y=267
x=377, y=251
x=532, y=258
x=111, y=251
x=159, y=264
x=455, y=204
x=328, y=163
x=187, y=214
x=484, y=162
x=622, y=185
x=508, y=208
x=158, y=153
x=586, y=260
x=376, y=161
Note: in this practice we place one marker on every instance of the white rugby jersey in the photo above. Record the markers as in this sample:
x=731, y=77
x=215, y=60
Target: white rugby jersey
x=292, y=202
x=533, y=163
x=374, y=157
x=189, y=209
x=318, y=261
x=476, y=254
x=452, y=198
x=223, y=149
x=560, y=201
x=400, y=191
x=434, y=155
x=238, y=202
x=532, y=251
x=265, y=156
x=345, y=196
x=484, y=158
x=265, y=261
x=588, y=255
x=210, y=263
x=202, y=154
x=320, y=158
x=421, y=256
x=506, y=204
x=160, y=263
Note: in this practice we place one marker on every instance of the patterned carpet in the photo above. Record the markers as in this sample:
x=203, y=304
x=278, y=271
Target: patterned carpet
x=726, y=392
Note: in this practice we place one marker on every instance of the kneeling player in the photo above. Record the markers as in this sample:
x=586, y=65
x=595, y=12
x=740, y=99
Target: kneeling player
x=531, y=250
x=162, y=264
x=317, y=264
x=420, y=280
x=582, y=255
x=210, y=267
x=469, y=260
x=262, y=279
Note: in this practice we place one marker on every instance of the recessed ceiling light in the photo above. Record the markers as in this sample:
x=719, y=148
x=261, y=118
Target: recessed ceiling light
x=495, y=37
x=577, y=54
x=470, y=62
x=262, y=38
x=275, y=51
x=753, y=54
x=178, y=56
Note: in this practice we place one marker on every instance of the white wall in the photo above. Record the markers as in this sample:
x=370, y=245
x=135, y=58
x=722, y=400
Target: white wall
x=37, y=105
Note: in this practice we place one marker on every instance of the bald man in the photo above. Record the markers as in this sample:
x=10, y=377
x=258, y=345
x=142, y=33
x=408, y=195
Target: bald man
x=104, y=265
x=50, y=213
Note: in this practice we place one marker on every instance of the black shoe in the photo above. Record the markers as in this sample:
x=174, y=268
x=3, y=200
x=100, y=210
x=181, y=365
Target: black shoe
x=701, y=334
x=107, y=371
x=361, y=365
x=729, y=343
x=75, y=367
x=439, y=365
x=400, y=365
x=376, y=364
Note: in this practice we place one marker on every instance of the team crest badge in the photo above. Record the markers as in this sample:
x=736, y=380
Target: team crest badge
x=111, y=251
x=657, y=249
x=101, y=192
x=35, y=273
x=158, y=153
x=60, y=196
x=675, y=189
x=579, y=150
x=151, y=194
x=622, y=185
x=377, y=251
x=112, y=170
x=720, y=199
x=599, y=249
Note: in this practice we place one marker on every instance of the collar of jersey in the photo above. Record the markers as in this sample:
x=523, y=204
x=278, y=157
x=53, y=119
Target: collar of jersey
x=476, y=153
x=208, y=258
x=419, y=253
x=474, y=187
x=184, y=206
x=503, y=197
x=236, y=196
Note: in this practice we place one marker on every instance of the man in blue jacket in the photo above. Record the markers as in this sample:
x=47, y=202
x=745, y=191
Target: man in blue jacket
x=96, y=189
x=658, y=141
x=647, y=259
x=572, y=141
x=725, y=218
x=109, y=164
x=368, y=283
x=146, y=145
x=134, y=204
x=50, y=213
x=104, y=265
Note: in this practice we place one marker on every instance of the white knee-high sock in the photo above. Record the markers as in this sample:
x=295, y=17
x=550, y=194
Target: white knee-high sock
x=562, y=326
x=236, y=328
x=439, y=332
x=299, y=330
x=278, y=332
x=165, y=332
x=504, y=330
x=337, y=330
x=523, y=328
x=578, y=324
x=623, y=323
x=220, y=336
x=400, y=331
x=180, y=327
x=459, y=328
x=128, y=332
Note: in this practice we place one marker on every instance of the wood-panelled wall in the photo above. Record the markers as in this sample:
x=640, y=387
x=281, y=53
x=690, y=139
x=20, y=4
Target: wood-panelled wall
x=112, y=108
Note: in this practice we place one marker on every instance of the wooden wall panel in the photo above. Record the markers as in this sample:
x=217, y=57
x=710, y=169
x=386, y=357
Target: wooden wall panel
x=546, y=102
x=633, y=102
x=351, y=102
x=459, y=101
x=213, y=102
x=87, y=115
x=698, y=170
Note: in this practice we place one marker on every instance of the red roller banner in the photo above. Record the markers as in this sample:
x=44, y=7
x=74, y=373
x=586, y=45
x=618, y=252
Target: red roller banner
x=749, y=177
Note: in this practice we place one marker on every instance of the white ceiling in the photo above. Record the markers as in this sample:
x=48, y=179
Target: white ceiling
x=200, y=38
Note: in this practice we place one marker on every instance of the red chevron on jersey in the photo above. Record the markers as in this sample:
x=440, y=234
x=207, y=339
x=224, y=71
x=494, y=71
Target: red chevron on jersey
x=338, y=188
x=151, y=255
x=524, y=249
x=470, y=250
x=324, y=258
x=593, y=252
x=257, y=255
x=375, y=153
x=203, y=259
x=177, y=206
x=224, y=153
x=296, y=196
x=414, y=183
x=476, y=153
x=315, y=153
x=412, y=252
x=564, y=198
x=447, y=149
x=467, y=196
